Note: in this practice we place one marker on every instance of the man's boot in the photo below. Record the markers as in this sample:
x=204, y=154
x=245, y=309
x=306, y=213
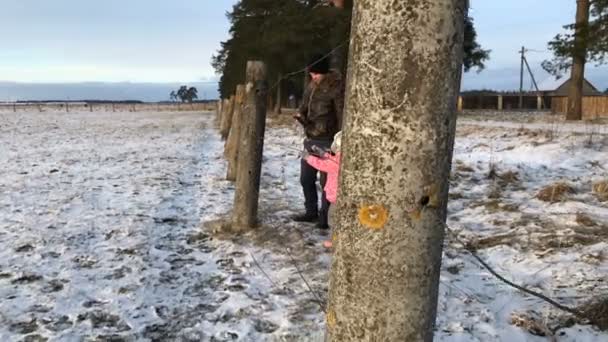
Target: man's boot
x=307, y=217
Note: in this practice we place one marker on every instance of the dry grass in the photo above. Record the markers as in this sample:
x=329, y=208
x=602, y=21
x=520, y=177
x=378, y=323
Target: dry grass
x=455, y=196
x=285, y=119
x=555, y=241
x=503, y=179
x=495, y=191
x=460, y=170
x=596, y=258
x=532, y=323
x=596, y=312
x=556, y=192
x=464, y=168
x=584, y=220
x=541, y=236
x=495, y=205
x=600, y=189
x=509, y=177
x=508, y=239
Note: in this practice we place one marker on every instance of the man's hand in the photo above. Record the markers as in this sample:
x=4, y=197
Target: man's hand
x=316, y=150
x=305, y=154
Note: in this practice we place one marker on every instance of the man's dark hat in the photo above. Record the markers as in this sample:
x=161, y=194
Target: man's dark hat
x=319, y=64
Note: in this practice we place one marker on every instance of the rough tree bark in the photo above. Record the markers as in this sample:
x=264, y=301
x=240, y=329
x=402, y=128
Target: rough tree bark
x=227, y=118
x=575, y=94
x=225, y=107
x=231, y=150
x=403, y=79
x=253, y=125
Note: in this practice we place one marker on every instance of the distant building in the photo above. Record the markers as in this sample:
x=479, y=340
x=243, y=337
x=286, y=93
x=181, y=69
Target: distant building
x=552, y=87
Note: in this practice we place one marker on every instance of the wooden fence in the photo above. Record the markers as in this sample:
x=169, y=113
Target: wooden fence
x=106, y=107
x=502, y=102
x=593, y=106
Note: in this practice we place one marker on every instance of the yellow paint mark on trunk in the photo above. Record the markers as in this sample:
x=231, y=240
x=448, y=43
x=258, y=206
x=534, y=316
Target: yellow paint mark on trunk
x=373, y=216
x=331, y=319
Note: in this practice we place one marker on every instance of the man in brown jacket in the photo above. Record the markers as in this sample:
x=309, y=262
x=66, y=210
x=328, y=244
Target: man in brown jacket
x=321, y=116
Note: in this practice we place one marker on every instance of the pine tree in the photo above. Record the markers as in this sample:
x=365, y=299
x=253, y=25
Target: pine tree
x=286, y=33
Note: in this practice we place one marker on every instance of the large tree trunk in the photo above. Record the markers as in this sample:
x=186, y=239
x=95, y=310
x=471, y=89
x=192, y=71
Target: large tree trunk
x=575, y=95
x=403, y=79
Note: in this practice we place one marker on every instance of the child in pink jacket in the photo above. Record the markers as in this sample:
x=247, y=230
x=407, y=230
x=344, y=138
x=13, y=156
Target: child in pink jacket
x=330, y=164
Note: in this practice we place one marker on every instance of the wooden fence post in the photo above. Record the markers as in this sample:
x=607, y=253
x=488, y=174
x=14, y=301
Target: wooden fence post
x=253, y=125
x=460, y=103
x=227, y=118
x=539, y=103
x=500, y=102
x=231, y=150
x=225, y=103
x=218, y=113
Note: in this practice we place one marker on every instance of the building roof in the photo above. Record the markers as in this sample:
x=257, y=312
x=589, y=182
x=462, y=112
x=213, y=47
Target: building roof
x=552, y=83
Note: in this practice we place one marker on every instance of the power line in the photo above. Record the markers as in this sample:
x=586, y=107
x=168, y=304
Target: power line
x=467, y=247
x=308, y=66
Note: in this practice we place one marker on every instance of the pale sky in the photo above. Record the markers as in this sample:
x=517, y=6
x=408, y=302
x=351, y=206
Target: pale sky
x=505, y=26
x=110, y=40
x=47, y=41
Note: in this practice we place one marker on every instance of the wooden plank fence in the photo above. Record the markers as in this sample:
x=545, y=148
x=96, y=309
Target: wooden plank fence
x=502, y=102
x=593, y=106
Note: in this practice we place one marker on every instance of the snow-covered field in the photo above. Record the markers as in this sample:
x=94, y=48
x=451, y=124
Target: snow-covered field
x=102, y=233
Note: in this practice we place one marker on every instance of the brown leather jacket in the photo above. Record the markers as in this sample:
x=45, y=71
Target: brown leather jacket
x=322, y=107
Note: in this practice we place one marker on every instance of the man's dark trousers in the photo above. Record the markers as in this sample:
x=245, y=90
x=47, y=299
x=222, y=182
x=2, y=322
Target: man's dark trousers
x=308, y=179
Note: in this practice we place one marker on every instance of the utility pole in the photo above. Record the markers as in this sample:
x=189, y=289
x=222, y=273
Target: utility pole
x=521, y=78
x=540, y=101
x=394, y=177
